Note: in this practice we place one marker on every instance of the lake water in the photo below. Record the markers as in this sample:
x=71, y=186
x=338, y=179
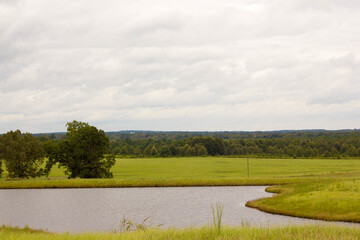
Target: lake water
x=101, y=209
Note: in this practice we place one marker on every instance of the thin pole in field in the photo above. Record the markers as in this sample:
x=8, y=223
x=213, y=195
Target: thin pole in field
x=248, y=165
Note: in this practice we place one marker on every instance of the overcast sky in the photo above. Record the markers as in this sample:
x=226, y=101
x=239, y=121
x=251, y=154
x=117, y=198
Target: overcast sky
x=180, y=65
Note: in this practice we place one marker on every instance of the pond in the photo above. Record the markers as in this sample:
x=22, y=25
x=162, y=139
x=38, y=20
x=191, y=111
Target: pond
x=101, y=209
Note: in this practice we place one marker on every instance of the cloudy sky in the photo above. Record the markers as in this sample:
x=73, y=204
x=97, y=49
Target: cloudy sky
x=180, y=65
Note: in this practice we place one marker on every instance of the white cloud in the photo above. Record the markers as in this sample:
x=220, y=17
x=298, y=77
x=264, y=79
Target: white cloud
x=180, y=65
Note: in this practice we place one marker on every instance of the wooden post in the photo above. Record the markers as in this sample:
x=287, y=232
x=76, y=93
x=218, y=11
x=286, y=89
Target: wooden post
x=248, y=165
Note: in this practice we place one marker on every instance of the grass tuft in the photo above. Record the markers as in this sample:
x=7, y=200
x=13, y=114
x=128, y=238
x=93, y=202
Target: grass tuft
x=217, y=212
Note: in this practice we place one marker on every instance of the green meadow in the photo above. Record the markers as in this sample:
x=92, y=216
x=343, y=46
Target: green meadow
x=201, y=171
x=224, y=168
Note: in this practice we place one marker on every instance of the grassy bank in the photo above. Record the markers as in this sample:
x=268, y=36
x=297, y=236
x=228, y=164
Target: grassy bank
x=298, y=232
x=119, y=183
x=330, y=200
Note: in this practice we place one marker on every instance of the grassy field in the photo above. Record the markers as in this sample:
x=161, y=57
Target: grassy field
x=223, y=167
x=202, y=171
x=333, y=200
x=206, y=233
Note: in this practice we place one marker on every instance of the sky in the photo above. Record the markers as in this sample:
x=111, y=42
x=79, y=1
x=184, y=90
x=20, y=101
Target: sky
x=205, y=65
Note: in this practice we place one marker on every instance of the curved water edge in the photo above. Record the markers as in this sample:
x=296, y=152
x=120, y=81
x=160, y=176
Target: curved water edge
x=101, y=209
x=297, y=214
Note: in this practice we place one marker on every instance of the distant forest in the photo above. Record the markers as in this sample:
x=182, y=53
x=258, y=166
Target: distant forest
x=283, y=144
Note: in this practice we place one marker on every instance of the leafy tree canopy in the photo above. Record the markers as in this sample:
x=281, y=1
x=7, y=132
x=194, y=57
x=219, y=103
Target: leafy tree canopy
x=23, y=154
x=81, y=152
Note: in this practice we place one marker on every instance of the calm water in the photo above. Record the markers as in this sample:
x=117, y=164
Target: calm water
x=101, y=209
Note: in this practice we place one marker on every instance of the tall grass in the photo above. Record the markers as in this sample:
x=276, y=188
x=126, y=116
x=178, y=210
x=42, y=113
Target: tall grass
x=217, y=212
x=127, y=224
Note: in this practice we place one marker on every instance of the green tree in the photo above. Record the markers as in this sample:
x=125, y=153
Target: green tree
x=124, y=150
x=307, y=152
x=150, y=150
x=165, y=151
x=174, y=150
x=22, y=153
x=153, y=151
x=351, y=151
x=298, y=152
x=214, y=146
x=184, y=150
x=137, y=151
x=81, y=152
x=334, y=152
x=200, y=150
x=190, y=152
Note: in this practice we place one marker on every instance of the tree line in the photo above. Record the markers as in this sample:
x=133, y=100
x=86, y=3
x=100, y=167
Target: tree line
x=297, y=144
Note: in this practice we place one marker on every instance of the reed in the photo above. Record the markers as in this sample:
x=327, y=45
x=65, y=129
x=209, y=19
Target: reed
x=127, y=224
x=217, y=212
